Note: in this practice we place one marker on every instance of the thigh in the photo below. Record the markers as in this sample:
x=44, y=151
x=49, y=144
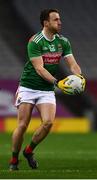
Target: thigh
x=24, y=113
x=46, y=97
x=47, y=111
x=24, y=95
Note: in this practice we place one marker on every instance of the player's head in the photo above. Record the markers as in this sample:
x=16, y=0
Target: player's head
x=50, y=19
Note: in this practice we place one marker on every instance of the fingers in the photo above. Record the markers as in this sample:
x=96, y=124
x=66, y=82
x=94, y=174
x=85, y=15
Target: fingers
x=68, y=90
x=63, y=86
x=66, y=79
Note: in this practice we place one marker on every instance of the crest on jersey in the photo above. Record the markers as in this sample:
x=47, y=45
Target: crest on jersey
x=52, y=48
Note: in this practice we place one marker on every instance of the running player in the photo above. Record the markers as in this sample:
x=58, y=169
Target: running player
x=36, y=87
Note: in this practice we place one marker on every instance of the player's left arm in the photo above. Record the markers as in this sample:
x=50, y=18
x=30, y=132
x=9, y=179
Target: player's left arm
x=68, y=56
x=72, y=64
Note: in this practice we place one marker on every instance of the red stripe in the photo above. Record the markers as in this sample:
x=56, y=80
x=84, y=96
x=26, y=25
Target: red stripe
x=2, y=125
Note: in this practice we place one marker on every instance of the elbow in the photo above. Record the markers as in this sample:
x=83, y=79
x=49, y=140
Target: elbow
x=39, y=70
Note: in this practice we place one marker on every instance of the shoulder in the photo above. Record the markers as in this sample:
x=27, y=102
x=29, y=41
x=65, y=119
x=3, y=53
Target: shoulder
x=62, y=38
x=36, y=38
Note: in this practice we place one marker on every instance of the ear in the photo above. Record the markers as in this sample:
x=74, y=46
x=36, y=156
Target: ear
x=45, y=23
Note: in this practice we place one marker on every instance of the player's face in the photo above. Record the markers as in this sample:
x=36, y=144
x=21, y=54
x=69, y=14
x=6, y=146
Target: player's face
x=54, y=22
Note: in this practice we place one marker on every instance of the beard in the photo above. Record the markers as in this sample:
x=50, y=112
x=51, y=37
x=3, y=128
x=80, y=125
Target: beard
x=54, y=30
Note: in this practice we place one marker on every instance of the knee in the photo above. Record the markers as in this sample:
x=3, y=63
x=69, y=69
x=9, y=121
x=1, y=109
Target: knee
x=22, y=127
x=47, y=125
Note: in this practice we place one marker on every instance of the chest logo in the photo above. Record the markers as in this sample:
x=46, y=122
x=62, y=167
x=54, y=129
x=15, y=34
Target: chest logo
x=52, y=48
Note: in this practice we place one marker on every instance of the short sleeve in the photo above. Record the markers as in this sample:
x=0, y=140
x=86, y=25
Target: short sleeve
x=67, y=50
x=33, y=50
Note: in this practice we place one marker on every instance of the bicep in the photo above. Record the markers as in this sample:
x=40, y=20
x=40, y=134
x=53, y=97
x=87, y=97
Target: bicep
x=34, y=50
x=37, y=62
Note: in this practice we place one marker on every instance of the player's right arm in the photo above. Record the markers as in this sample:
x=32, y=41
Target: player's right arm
x=35, y=56
x=41, y=71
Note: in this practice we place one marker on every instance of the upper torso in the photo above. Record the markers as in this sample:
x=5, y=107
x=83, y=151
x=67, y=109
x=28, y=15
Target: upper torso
x=51, y=52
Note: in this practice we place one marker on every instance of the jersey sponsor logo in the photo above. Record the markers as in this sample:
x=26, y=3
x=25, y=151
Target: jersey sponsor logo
x=51, y=58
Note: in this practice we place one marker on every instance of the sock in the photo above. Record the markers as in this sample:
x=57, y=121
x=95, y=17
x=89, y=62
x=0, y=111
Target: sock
x=15, y=154
x=30, y=147
x=14, y=158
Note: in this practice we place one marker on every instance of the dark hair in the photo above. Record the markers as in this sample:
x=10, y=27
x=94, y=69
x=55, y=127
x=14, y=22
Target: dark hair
x=45, y=15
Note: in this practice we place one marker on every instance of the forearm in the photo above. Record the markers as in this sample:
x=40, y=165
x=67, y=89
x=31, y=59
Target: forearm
x=72, y=64
x=45, y=74
x=41, y=71
x=75, y=69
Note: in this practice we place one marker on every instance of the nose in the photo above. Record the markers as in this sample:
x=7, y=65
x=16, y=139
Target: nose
x=59, y=22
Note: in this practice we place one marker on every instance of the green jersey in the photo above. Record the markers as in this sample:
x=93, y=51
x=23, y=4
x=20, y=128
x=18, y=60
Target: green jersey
x=51, y=52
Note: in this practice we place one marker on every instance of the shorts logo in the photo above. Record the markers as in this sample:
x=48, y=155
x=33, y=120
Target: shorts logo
x=19, y=100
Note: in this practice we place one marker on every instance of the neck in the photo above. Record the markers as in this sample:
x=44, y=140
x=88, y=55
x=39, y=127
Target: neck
x=48, y=34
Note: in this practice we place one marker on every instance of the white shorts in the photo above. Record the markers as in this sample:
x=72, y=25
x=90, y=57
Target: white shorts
x=34, y=96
